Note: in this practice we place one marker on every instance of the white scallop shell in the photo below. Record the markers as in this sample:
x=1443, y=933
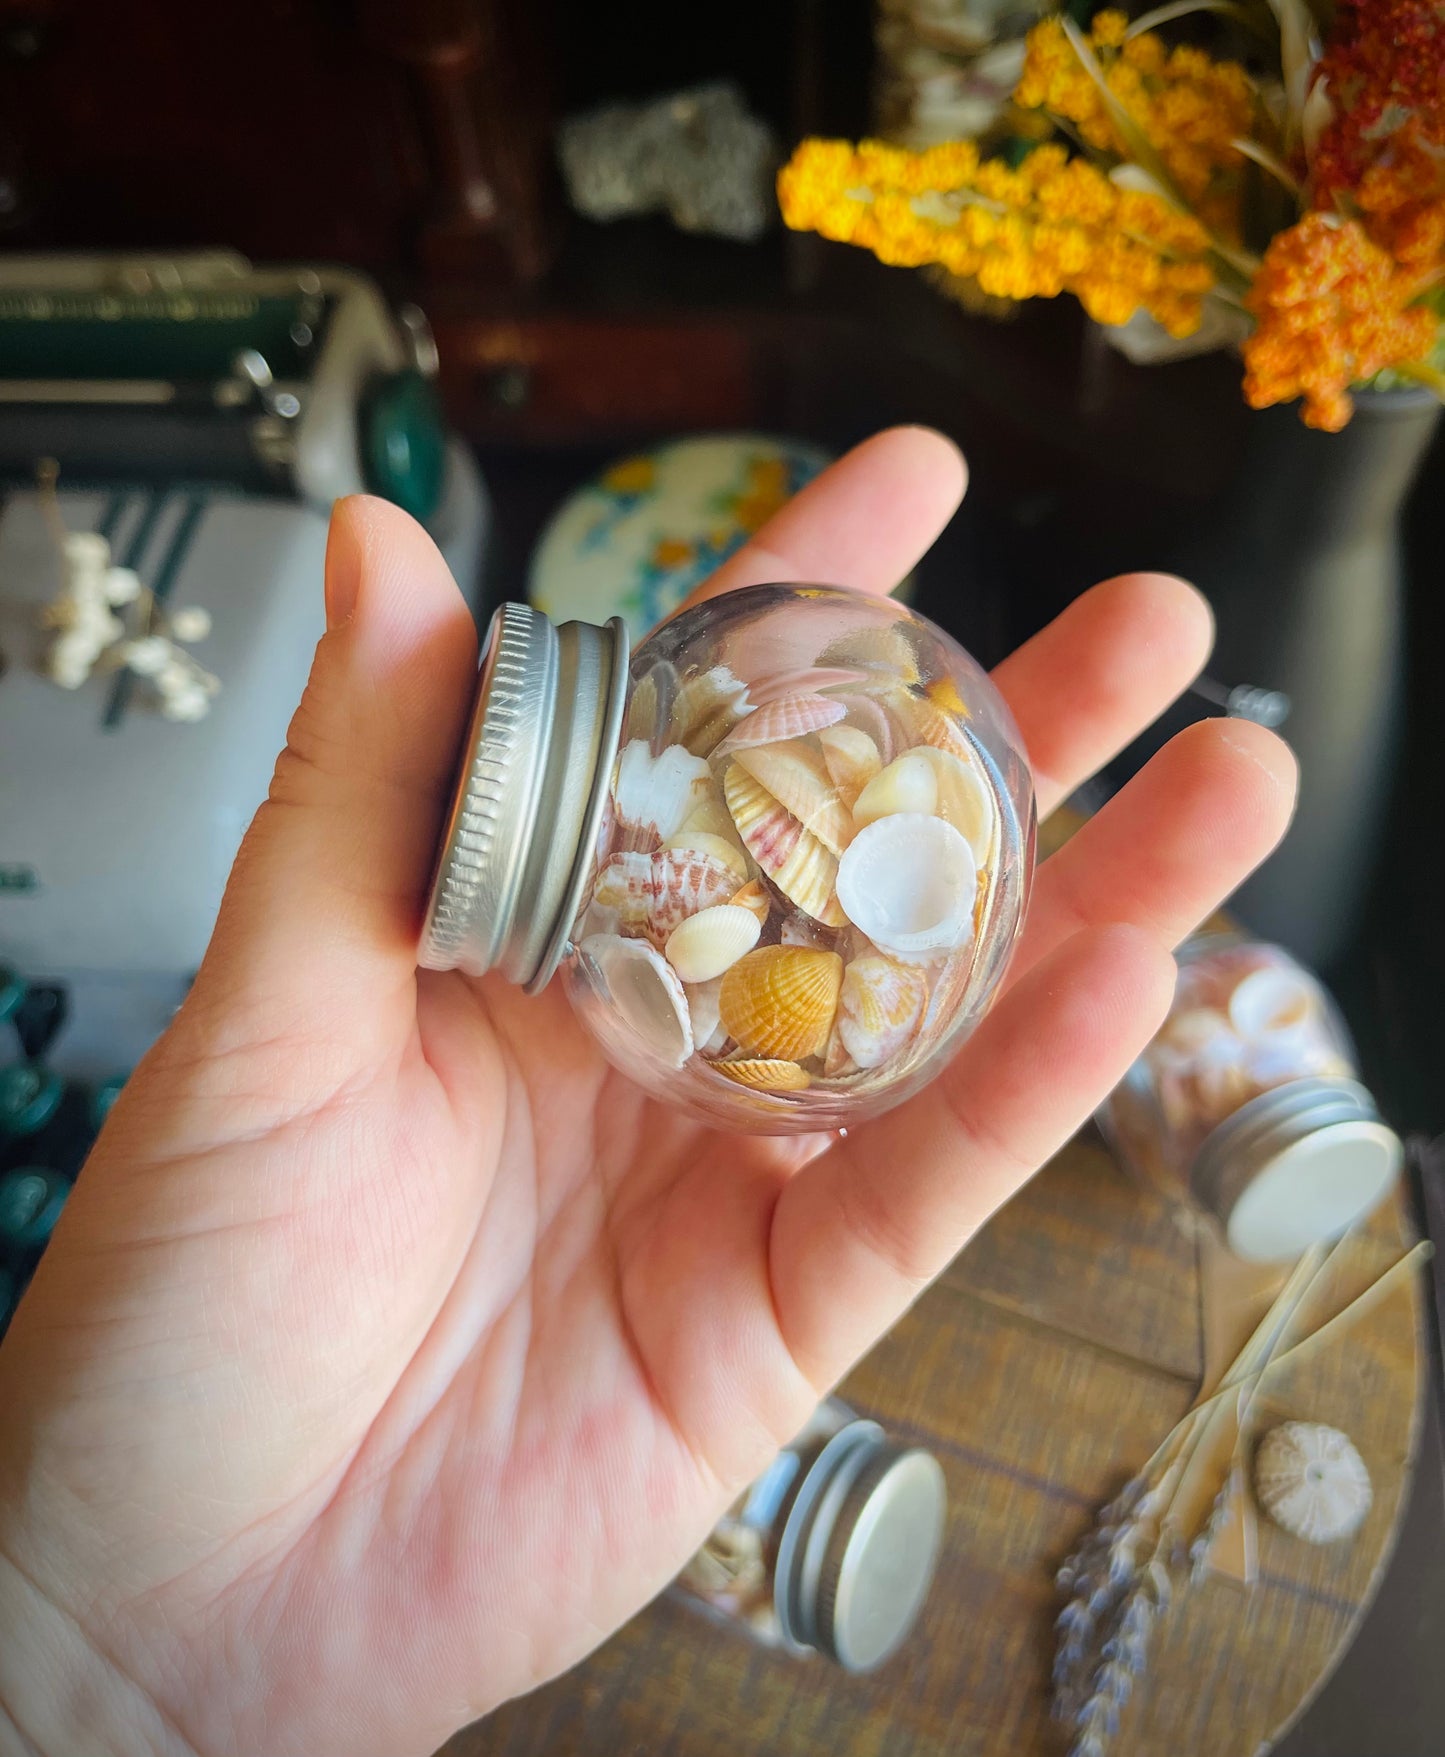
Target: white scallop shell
x=653, y=796
x=909, y=883
x=908, y=784
x=710, y=942
x=1311, y=1481
x=645, y=993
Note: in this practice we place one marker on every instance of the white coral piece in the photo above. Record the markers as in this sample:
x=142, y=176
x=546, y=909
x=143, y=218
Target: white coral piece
x=1311, y=1481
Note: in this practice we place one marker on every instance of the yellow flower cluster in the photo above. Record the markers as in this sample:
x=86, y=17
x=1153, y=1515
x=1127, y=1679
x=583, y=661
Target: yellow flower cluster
x=1051, y=226
x=1189, y=107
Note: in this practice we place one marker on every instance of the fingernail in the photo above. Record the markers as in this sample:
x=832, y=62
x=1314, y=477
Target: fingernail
x=343, y=566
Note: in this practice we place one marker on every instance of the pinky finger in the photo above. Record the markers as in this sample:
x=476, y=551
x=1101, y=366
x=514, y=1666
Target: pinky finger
x=883, y=1212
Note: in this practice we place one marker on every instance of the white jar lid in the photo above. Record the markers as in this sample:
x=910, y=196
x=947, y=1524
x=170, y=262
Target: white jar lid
x=1295, y=1167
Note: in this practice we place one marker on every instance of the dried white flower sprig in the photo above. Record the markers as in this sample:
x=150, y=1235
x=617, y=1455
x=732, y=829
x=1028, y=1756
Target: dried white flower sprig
x=1157, y=1535
x=90, y=637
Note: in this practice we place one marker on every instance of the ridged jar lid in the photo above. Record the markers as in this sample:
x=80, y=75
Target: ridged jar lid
x=1296, y=1166
x=860, y=1547
x=529, y=796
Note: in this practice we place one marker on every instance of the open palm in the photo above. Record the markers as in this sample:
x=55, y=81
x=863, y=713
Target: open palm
x=393, y=1349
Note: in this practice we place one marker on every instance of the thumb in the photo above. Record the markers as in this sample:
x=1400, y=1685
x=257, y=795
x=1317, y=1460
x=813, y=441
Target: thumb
x=322, y=908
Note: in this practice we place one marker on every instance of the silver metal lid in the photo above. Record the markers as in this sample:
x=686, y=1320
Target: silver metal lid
x=529, y=796
x=1296, y=1166
x=860, y=1547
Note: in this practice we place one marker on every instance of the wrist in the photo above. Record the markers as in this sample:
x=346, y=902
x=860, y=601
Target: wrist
x=59, y=1695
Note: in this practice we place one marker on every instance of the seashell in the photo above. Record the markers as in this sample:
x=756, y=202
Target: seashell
x=713, y=819
x=711, y=941
x=653, y=893
x=797, y=862
x=851, y=758
x=790, y=716
x=708, y=1035
x=908, y=882
x=755, y=897
x=723, y=849
x=1196, y=1031
x=865, y=715
x=779, y=1001
x=705, y=708
x=1271, y=999
x=965, y=798
x=645, y=993
x=946, y=1004
x=909, y=784
x=837, y=1063
x=1311, y=1481
x=772, y=686
x=649, y=701
x=654, y=795
x=880, y=1007
x=795, y=775
x=765, y=1076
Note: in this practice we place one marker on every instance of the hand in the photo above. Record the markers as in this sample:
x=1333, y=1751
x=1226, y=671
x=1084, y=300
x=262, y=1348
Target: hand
x=393, y=1349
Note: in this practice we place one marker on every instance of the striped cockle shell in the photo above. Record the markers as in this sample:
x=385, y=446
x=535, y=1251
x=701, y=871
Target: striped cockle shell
x=653, y=796
x=907, y=784
x=851, y=758
x=1311, y=1481
x=723, y=849
x=644, y=992
x=779, y=1001
x=880, y=1007
x=755, y=897
x=710, y=942
x=790, y=716
x=908, y=883
x=796, y=861
x=653, y=893
x=794, y=773
x=765, y=1075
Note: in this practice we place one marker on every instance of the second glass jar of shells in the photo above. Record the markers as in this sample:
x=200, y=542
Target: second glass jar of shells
x=797, y=833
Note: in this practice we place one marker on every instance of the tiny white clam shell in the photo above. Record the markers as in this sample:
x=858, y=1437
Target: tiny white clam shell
x=879, y=1008
x=710, y=942
x=1271, y=999
x=1311, y=1481
x=909, y=784
x=654, y=795
x=645, y=992
x=790, y=716
x=909, y=882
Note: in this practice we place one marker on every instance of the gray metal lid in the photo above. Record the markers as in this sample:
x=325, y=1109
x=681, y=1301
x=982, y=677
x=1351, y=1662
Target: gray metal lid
x=527, y=806
x=860, y=1546
x=1296, y=1166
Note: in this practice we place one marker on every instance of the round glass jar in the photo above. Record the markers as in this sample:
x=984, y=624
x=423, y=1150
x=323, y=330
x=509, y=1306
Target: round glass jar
x=781, y=857
x=1247, y=1104
x=833, y=1549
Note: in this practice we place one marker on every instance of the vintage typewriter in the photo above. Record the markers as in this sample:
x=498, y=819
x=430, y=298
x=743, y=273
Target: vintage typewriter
x=200, y=415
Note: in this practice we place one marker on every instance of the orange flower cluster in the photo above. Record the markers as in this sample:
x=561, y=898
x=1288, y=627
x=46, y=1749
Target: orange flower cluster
x=1053, y=225
x=1401, y=201
x=1332, y=309
x=1190, y=108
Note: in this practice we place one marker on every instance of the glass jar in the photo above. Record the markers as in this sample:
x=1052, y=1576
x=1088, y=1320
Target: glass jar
x=1247, y=1104
x=781, y=859
x=833, y=1549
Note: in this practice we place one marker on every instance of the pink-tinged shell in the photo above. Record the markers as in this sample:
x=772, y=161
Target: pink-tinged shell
x=654, y=893
x=779, y=1001
x=796, y=777
x=791, y=716
x=653, y=796
x=765, y=1076
x=795, y=861
x=724, y=849
x=701, y=948
x=880, y=1008
x=869, y=717
x=645, y=994
x=773, y=686
x=851, y=758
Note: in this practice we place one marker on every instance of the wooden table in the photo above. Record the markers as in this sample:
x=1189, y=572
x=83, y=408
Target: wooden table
x=1042, y=1370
